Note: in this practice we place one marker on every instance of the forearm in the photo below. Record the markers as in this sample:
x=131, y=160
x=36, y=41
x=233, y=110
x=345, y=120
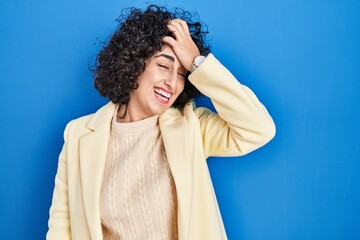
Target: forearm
x=250, y=125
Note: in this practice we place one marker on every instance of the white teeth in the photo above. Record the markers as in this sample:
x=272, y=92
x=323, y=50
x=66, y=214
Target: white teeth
x=163, y=93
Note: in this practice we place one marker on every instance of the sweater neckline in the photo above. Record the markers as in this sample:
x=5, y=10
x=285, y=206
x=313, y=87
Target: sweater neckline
x=138, y=126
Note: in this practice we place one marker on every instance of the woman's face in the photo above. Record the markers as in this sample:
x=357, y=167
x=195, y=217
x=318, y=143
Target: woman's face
x=159, y=85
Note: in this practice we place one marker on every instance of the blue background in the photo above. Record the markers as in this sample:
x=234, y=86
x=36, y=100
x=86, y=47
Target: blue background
x=302, y=59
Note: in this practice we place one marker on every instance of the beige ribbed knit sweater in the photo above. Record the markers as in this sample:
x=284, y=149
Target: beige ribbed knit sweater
x=138, y=196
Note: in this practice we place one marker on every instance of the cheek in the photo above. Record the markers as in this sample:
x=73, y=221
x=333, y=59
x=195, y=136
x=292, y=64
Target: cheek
x=181, y=85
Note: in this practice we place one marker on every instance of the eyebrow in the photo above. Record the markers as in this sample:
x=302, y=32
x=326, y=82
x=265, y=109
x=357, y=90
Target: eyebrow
x=171, y=58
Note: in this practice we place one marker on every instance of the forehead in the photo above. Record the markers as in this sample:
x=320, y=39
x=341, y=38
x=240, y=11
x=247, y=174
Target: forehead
x=167, y=48
x=166, y=52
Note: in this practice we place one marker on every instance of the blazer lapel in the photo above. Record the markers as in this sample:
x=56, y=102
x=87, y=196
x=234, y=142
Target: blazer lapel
x=174, y=133
x=93, y=151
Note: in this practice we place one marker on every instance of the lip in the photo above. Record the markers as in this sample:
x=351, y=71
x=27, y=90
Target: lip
x=163, y=98
x=163, y=89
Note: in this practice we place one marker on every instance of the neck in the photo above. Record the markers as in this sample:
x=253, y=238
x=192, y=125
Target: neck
x=126, y=114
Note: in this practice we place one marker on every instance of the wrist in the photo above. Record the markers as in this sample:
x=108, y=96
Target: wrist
x=197, y=62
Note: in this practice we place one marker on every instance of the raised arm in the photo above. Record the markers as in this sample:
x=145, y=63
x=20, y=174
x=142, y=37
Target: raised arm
x=242, y=124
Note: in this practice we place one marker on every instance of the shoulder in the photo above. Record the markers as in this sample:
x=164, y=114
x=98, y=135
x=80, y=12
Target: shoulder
x=79, y=122
x=199, y=112
x=77, y=127
x=88, y=123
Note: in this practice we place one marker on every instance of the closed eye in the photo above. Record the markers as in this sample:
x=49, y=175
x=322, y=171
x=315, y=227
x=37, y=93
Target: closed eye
x=182, y=75
x=163, y=66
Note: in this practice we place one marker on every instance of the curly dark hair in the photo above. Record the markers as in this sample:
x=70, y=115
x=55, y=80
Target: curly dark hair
x=138, y=36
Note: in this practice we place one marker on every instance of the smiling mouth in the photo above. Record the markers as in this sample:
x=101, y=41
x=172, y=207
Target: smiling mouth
x=162, y=95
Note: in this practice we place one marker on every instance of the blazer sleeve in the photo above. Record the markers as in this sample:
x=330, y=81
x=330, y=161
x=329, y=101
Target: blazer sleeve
x=59, y=220
x=242, y=123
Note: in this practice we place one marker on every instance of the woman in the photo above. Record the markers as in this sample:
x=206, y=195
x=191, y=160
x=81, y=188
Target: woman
x=136, y=169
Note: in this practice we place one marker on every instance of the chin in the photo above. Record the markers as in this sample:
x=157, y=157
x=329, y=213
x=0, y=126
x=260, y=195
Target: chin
x=158, y=108
x=158, y=111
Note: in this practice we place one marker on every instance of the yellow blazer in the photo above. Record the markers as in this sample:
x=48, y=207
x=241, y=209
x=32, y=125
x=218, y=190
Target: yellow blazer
x=190, y=136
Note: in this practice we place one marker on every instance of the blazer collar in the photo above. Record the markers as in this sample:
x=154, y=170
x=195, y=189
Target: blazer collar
x=102, y=117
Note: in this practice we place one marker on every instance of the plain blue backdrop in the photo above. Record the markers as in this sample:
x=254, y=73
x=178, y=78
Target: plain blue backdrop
x=301, y=57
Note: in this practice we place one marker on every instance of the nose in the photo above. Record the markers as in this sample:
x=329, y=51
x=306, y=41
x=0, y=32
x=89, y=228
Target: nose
x=171, y=81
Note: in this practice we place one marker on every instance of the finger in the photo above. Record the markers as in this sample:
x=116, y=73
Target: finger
x=178, y=26
x=176, y=30
x=184, y=25
x=169, y=40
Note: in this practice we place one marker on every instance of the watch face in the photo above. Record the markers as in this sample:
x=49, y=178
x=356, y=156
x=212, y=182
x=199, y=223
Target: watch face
x=198, y=60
